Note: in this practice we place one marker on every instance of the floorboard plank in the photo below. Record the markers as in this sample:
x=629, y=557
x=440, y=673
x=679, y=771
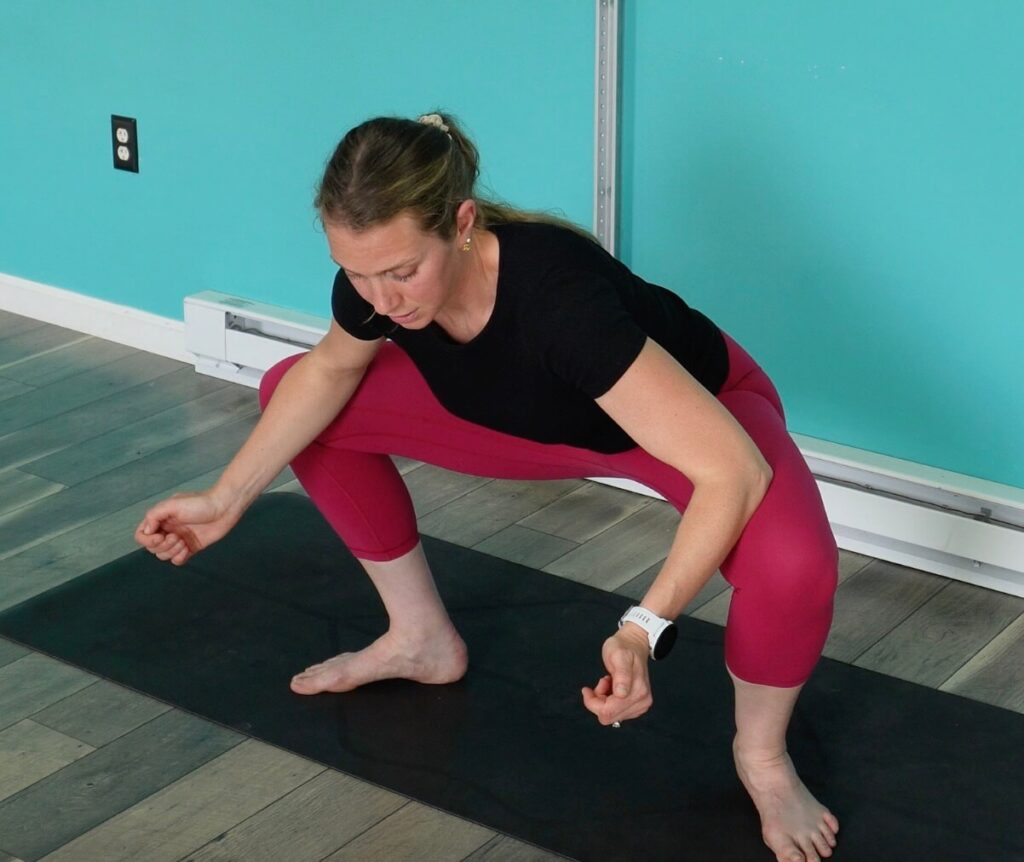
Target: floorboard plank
x=433, y=487
x=995, y=674
x=195, y=809
x=405, y=465
x=10, y=651
x=491, y=508
x=872, y=602
x=11, y=388
x=131, y=442
x=34, y=682
x=105, y=414
x=71, y=392
x=18, y=489
x=413, y=833
x=623, y=551
x=28, y=343
x=935, y=640
x=309, y=823
x=111, y=491
x=75, y=357
x=100, y=713
x=715, y=610
x=525, y=546
x=12, y=324
x=587, y=511
x=502, y=848
x=29, y=752
x=75, y=552
x=292, y=486
x=63, y=806
x=851, y=562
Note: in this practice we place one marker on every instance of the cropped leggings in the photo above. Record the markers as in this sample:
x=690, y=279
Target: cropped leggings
x=783, y=568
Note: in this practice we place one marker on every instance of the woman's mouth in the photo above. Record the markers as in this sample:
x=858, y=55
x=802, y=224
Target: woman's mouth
x=402, y=318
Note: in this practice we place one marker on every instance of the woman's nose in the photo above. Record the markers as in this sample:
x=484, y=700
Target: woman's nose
x=384, y=300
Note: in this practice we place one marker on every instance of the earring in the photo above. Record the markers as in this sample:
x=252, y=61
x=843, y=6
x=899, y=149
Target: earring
x=467, y=244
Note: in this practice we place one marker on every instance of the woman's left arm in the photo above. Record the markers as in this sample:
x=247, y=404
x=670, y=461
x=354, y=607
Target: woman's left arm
x=670, y=415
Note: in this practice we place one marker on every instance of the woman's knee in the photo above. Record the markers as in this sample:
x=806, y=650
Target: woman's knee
x=786, y=561
x=780, y=618
x=810, y=574
x=272, y=376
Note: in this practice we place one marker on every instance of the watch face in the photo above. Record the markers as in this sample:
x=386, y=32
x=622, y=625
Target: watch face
x=665, y=641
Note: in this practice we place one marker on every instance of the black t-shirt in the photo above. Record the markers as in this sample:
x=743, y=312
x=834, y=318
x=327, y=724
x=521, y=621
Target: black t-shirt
x=568, y=320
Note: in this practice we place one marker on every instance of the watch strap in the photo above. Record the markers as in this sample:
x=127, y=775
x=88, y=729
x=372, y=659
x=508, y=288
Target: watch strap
x=647, y=620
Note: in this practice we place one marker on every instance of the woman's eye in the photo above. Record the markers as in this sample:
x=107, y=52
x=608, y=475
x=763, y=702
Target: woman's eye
x=406, y=277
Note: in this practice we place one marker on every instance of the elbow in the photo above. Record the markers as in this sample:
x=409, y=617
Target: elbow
x=757, y=486
x=751, y=484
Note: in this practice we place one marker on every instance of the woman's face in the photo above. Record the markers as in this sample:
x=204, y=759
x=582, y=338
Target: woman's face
x=404, y=273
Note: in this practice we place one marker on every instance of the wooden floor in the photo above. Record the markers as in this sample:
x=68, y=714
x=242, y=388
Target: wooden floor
x=92, y=433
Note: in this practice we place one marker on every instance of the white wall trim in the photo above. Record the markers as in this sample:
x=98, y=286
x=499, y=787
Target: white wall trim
x=119, y=323
x=607, y=15
x=943, y=522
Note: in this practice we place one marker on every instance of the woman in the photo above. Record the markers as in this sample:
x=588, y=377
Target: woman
x=521, y=349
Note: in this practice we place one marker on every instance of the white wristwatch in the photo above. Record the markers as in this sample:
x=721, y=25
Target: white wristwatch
x=661, y=633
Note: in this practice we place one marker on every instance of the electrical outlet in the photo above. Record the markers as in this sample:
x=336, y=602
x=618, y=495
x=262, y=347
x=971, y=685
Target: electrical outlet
x=126, y=143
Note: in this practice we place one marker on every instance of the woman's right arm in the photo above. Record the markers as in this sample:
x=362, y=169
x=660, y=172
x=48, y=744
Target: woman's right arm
x=312, y=392
x=309, y=396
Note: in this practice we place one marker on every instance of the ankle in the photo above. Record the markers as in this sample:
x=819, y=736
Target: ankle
x=420, y=633
x=759, y=753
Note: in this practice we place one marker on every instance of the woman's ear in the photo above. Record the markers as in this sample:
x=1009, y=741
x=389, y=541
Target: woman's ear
x=465, y=219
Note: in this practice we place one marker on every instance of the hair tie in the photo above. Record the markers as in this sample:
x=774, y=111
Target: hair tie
x=434, y=120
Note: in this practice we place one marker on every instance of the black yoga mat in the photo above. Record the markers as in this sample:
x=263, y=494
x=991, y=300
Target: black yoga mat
x=911, y=773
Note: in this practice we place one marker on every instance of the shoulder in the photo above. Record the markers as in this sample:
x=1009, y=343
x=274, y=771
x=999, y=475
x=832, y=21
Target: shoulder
x=557, y=265
x=568, y=300
x=544, y=241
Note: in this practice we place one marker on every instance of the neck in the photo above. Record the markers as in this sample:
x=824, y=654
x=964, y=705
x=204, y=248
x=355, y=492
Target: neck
x=471, y=304
x=478, y=278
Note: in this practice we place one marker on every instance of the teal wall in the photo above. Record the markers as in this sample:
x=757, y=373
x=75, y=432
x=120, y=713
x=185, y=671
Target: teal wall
x=239, y=105
x=839, y=186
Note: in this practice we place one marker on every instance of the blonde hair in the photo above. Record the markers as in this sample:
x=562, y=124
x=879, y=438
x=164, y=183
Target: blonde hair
x=389, y=165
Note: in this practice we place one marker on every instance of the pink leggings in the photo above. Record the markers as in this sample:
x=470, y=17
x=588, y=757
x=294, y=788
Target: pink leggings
x=783, y=568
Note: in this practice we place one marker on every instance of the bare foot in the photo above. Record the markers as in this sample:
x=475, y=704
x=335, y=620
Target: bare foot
x=794, y=824
x=440, y=659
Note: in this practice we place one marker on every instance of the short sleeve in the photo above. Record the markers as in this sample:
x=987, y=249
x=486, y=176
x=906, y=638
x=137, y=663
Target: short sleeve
x=353, y=313
x=593, y=339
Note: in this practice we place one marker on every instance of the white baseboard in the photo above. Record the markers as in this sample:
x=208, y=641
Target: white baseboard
x=119, y=323
x=912, y=522
x=958, y=526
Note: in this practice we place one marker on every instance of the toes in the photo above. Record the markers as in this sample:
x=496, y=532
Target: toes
x=790, y=854
x=830, y=839
x=810, y=854
x=832, y=822
x=821, y=845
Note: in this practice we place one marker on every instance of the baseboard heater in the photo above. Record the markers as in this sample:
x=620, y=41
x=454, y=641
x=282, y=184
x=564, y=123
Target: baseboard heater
x=958, y=526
